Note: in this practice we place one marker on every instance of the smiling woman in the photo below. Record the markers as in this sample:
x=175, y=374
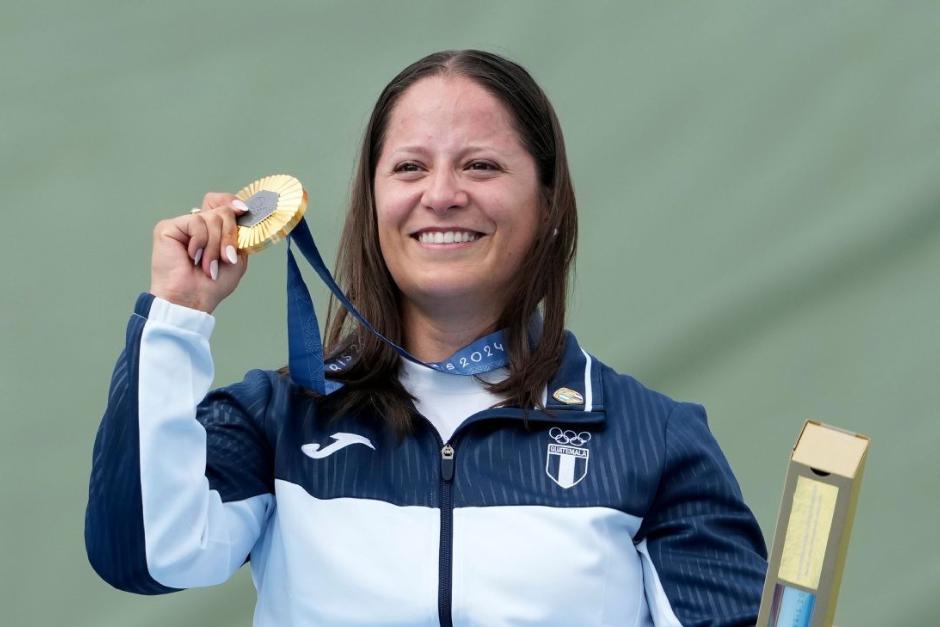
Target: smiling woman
x=464, y=143
x=457, y=203
x=493, y=476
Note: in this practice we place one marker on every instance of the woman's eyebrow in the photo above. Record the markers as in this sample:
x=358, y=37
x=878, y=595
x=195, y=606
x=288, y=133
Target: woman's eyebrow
x=464, y=151
x=409, y=148
x=482, y=148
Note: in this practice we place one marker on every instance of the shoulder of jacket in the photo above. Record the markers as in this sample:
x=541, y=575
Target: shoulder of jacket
x=626, y=395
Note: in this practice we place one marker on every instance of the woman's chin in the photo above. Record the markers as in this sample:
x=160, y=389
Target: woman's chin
x=459, y=295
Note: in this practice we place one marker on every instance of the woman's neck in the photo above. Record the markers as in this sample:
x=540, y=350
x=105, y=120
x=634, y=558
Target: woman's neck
x=434, y=336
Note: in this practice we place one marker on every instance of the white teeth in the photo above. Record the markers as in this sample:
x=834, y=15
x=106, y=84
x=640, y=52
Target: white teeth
x=446, y=237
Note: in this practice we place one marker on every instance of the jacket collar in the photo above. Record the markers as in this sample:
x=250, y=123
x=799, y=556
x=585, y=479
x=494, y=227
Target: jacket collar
x=579, y=373
x=574, y=395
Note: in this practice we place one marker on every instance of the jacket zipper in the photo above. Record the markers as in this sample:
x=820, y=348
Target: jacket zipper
x=445, y=579
x=445, y=553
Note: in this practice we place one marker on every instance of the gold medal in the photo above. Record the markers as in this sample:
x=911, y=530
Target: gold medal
x=275, y=206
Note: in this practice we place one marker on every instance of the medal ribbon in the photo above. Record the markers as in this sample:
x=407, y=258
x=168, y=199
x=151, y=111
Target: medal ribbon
x=305, y=349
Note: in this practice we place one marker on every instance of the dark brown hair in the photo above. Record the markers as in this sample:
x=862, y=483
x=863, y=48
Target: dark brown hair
x=541, y=283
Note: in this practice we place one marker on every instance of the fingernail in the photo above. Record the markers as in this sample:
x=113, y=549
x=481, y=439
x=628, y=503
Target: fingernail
x=231, y=254
x=239, y=205
x=198, y=257
x=214, y=269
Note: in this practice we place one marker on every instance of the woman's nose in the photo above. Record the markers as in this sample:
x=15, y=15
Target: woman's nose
x=444, y=191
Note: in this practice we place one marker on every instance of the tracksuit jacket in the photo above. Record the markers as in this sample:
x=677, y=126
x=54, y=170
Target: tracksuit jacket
x=613, y=506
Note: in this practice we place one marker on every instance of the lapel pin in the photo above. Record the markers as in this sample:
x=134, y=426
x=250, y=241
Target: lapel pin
x=568, y=396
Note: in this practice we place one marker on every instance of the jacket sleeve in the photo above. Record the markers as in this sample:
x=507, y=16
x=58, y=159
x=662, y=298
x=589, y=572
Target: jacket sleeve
x=703, y=554
x=181, y=482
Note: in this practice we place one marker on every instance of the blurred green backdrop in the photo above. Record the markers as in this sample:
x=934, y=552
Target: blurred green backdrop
x=767, y=175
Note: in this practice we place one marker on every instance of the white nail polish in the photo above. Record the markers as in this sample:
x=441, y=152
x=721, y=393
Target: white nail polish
x=239, y=205
x=198, y=257
x=231, y=254
x=214, y=269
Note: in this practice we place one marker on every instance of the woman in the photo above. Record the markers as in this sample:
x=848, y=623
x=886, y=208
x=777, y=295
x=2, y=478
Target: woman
x=547, y=489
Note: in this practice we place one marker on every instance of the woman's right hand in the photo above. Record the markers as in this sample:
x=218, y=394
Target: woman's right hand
x=195, y=261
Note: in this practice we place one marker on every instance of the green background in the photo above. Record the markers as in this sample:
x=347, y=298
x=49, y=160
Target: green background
x=759, y=190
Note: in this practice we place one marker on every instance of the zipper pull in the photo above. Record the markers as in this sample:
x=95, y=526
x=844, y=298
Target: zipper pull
x=447, y=462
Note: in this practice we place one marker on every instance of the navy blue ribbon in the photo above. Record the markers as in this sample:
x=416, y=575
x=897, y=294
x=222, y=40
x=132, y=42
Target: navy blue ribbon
x=306, y=363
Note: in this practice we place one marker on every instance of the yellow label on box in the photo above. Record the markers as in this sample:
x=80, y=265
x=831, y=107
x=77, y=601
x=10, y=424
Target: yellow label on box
x=804, y=548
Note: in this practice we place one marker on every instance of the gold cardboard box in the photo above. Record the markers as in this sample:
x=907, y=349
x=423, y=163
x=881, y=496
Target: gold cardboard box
x=813, y=527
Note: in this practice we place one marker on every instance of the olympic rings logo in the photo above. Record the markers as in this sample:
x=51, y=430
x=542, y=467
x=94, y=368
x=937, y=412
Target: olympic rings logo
x=569, y=437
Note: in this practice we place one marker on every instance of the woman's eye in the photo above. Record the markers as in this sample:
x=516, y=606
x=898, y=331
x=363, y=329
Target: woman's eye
x=483, y=166
x=408, y=166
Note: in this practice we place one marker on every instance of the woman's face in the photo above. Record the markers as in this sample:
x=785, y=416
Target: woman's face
x=456, y=194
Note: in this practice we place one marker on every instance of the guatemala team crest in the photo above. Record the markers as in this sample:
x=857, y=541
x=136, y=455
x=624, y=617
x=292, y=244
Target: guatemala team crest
x=567, y=462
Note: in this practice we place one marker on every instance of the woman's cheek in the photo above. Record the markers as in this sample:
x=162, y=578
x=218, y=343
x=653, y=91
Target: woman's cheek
x=393, y=207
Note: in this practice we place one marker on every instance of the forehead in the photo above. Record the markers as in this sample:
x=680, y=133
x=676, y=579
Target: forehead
x=450, y=110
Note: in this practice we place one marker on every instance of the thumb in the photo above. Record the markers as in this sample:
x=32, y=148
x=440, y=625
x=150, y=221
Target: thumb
x=239, y=206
